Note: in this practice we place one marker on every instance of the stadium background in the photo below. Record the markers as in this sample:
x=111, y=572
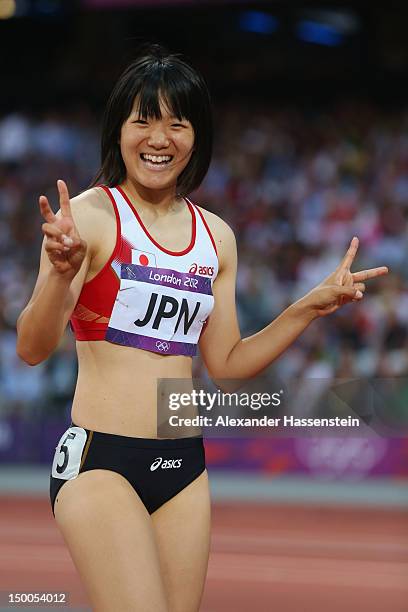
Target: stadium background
x=311, y=148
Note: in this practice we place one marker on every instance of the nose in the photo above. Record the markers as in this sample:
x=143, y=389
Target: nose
x=158, y=138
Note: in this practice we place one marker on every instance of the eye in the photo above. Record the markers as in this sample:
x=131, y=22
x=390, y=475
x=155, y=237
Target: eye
x=177, y=125
x=140, y=121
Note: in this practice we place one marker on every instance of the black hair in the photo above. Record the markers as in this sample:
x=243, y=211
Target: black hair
x=156, y=74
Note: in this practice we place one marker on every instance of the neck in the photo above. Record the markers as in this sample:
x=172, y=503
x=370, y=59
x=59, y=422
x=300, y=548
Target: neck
x=160, y=200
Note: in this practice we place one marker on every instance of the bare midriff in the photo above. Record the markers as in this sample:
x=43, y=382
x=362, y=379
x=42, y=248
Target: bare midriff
x=117, y=387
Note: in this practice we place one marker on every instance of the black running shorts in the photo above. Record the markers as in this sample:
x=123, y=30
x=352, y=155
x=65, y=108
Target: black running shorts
x=157, y=469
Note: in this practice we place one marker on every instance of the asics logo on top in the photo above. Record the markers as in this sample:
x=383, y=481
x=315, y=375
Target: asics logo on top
x=204, y=270
x=166, y=464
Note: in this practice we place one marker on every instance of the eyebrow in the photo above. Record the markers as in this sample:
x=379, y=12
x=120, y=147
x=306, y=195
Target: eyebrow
x=168, y=117
x=174, y=117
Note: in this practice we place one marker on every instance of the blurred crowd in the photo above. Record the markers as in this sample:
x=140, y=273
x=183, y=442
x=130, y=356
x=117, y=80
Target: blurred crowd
x=294, y=184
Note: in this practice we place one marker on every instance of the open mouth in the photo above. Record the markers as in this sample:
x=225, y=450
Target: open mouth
x=156, y=160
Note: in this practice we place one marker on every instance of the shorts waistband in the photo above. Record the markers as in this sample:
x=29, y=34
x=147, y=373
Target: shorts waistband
x=134, y=442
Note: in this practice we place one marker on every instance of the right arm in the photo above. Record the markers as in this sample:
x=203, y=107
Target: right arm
x=64, y=264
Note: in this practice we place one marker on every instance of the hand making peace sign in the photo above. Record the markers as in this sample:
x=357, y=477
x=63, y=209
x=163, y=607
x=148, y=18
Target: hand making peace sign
x=64, y=246
x=342, y=286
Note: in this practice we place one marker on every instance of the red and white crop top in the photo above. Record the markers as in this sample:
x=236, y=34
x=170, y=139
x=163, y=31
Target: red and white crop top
x=146, y=296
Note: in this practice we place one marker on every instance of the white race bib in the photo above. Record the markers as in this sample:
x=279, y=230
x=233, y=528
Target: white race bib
x=68, y=453
x=160, y=310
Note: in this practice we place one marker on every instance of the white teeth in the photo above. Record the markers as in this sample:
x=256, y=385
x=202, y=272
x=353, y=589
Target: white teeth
x=157, y=159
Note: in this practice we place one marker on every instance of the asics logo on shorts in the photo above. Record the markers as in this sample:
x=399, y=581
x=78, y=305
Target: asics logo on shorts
x=162, y=345
x=166, y=464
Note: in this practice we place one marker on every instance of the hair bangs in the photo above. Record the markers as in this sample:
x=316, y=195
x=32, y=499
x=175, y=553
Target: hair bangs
x=165, y=89
x=176, y=93
x=147, y=98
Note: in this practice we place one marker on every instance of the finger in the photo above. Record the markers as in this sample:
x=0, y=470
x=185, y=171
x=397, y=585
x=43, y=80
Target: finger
x=344, y=278
x=347, y=291
x=351, y=253
x=53, y=246
x=64, y=198
x=371, y=273
x=55, y=234
x=76, y=245
x=51, y=231
x=340, y=276
x=326, y=311
x=45, y=209
x=344, y=299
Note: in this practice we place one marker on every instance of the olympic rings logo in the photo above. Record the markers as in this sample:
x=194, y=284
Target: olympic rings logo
x=162, y=345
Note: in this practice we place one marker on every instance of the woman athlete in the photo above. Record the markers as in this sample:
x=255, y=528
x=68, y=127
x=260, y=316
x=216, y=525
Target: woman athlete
x=143, y=274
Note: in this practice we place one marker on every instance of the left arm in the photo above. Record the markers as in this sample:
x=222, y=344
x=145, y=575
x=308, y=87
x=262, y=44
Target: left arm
x=225, y=353
x=228, y=356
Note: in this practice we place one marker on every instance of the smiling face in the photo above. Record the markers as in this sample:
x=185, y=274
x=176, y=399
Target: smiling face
x=155, y=150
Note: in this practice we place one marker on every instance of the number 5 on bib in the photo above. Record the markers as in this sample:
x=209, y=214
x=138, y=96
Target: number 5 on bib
x=68, y=453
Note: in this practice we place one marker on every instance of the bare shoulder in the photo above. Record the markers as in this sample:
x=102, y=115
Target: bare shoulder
x=223, y=234
x=91, y=211
x=90, y=203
